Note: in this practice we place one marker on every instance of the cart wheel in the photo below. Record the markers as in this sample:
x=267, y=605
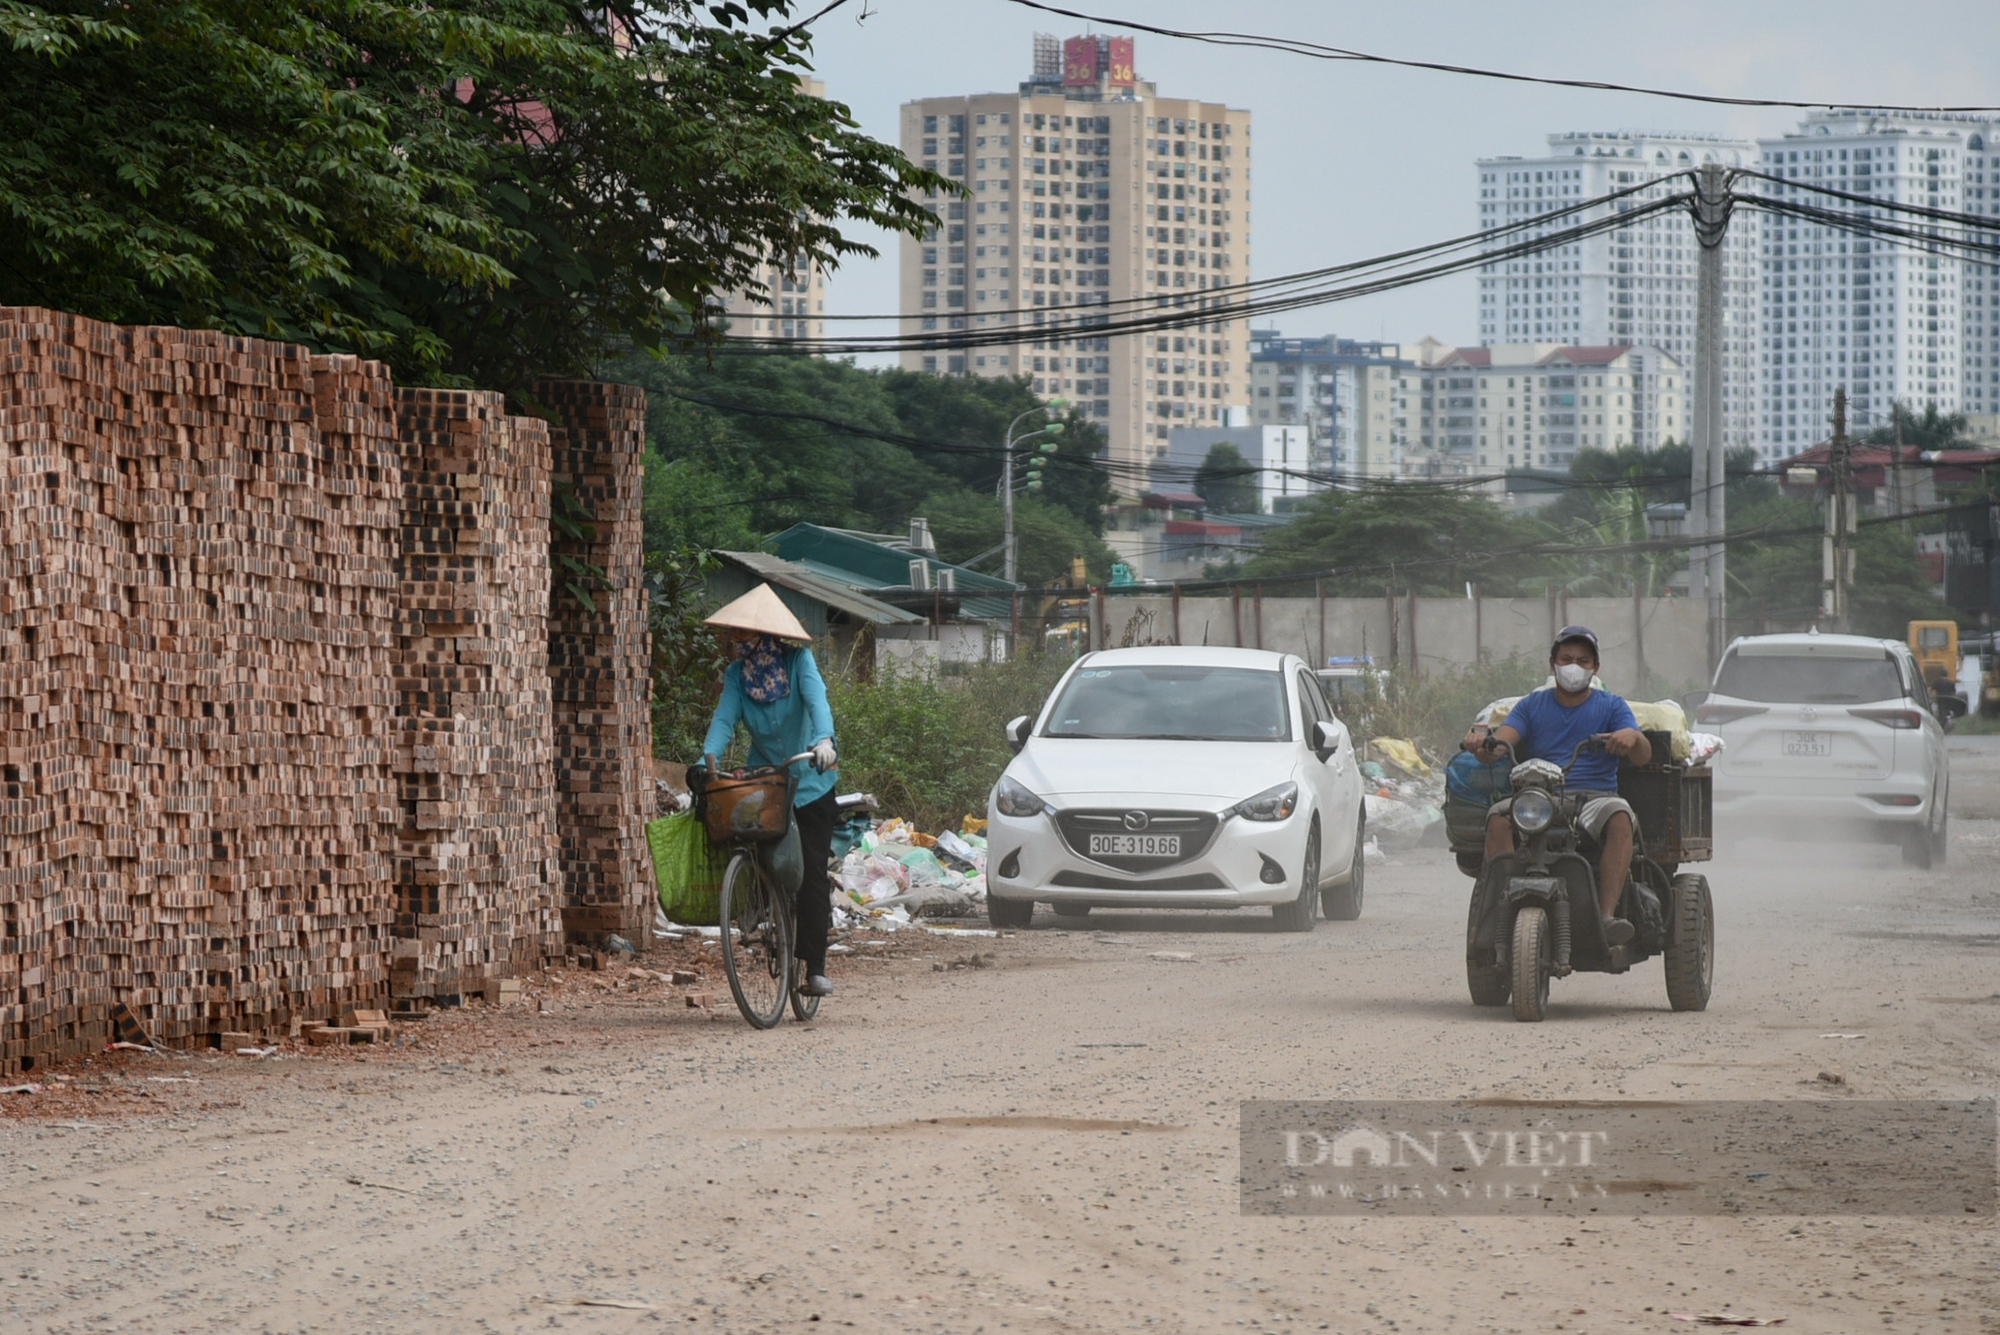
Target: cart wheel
x=1532, y=961
x=1690, y=960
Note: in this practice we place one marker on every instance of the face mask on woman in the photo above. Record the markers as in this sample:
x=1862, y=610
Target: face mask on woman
x=764, y=677
x=1572, y=677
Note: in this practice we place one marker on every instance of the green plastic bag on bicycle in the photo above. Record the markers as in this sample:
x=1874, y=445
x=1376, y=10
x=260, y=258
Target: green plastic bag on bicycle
x=687, y=867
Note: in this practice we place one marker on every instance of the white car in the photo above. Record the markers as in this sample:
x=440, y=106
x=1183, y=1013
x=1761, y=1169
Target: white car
x=1179, y=778
x=1830, y=737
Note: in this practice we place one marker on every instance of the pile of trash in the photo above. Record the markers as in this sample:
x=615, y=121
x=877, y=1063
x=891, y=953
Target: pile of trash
x=894, y=874
x=1402, y=796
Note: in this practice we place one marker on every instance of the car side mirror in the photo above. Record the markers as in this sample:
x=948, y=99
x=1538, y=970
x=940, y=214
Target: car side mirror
x=1017, y=733
x=1326, y=739
x=1692, y=701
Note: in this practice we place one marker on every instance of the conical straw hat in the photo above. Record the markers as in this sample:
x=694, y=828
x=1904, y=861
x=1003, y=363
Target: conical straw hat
x=763, y=611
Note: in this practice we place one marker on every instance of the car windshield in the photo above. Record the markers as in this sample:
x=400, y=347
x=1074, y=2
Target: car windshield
x=1175, y=702
x=1808, y=679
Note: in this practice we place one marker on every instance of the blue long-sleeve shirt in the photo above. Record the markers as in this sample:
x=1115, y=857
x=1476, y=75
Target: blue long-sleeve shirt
x=782, y=728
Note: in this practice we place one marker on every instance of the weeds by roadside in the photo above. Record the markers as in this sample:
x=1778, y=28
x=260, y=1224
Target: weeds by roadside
x=929, y=744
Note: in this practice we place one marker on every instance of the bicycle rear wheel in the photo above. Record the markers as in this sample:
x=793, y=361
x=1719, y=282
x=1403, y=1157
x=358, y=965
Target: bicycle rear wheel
x=756, y=941
x=803, y=1006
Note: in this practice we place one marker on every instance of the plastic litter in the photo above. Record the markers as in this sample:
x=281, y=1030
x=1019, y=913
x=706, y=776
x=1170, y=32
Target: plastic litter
x=1703, y=747
x=1402, y=754
x=1398, y=826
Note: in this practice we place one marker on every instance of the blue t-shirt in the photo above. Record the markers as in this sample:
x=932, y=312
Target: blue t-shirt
x=1550, y=731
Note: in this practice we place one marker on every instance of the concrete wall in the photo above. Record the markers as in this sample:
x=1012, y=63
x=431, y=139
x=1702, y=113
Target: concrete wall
x=1651, y=644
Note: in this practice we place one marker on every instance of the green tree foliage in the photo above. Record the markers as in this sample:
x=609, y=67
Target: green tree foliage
x=720, y=477
x=976, y=412
x=476, y=191
x=1928, y=430
x=1226, y=482
x=1431, y=541
x=1047, y=536
x=688, y=656
x=1775, y=580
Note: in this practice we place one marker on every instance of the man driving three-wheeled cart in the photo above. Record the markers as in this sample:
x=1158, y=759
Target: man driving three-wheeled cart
x=1574, y=823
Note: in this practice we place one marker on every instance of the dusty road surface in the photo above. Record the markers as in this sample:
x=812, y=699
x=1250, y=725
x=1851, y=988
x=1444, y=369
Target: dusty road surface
x=1046, y=1143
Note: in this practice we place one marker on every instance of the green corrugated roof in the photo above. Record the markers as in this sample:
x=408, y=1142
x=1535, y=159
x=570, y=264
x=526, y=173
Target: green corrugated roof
x=862, y=564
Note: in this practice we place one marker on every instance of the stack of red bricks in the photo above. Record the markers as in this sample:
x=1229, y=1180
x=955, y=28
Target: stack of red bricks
x=197, y=607
x=478, y=890
x=599, y=662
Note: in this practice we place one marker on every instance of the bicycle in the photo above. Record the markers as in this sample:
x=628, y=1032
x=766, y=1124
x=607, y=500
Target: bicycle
x=751, y=812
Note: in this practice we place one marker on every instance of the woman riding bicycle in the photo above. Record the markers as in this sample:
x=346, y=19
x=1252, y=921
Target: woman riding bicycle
x=772, y=686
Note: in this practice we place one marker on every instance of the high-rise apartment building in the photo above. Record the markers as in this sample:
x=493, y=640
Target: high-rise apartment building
x=788, y=298
x=1634, y=285
x=1086, y=189
x=1342, y=390
x=1893, y=321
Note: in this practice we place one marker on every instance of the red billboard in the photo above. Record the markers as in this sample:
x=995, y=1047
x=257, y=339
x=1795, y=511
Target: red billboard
x=1123, y=72
x=1080, y=62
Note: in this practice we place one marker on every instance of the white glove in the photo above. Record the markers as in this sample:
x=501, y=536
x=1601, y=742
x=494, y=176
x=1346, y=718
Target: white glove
x=823, y=755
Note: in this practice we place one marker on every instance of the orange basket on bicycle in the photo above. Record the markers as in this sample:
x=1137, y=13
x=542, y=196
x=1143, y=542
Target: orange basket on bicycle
x=755, y=805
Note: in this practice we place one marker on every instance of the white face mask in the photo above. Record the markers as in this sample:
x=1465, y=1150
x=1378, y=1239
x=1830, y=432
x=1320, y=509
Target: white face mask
x=1572, y=677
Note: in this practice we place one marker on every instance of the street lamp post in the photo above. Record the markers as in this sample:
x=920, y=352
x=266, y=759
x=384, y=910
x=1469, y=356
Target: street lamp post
x=1009, y=563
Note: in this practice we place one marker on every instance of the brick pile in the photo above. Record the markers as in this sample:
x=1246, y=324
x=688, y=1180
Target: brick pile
x=598, y=665
x=197, y=609
x=478, y=888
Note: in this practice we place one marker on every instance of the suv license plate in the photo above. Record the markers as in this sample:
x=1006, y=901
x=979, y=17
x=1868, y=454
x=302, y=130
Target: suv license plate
x=1808, y=743
x=1135, y=845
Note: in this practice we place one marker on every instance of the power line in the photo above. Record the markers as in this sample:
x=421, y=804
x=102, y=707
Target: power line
x=1208, y=308
x=1483, y=237
x=1970, y=220
x=1316, y=51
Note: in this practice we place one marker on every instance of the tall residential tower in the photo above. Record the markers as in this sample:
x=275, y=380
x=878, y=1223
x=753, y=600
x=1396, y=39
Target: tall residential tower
x=1087, y=189
x=1894, y=321
x=1634, y=285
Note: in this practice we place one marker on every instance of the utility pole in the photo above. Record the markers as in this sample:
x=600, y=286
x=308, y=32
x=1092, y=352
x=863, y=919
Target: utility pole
x=1009, y=561
x=1708, y=520
x=1837, y=549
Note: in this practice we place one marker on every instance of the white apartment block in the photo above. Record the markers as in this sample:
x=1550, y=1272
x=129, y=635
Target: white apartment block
x=1890, y=320
x=1343, y=391
x=1534, y=405
x=788, y=298
x=1086, y=188
x=1634, y=285
x=790, y=302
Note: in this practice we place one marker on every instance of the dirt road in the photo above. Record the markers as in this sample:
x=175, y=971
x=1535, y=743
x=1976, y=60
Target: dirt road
x=1044, y=1144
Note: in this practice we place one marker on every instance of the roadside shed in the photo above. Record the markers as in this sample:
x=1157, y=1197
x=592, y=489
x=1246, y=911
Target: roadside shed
x=832, y=611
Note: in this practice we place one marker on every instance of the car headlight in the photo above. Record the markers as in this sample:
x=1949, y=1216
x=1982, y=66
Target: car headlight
x=1271, y=804
x=1533, y=810
x=1011, y=799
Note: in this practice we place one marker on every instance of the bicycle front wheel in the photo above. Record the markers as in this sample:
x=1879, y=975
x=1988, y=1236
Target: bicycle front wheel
x=756, y=941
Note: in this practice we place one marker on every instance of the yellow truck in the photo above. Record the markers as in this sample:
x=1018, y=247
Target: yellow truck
x=1935, y=645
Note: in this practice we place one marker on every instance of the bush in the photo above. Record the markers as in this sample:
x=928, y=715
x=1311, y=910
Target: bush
x=930, y=744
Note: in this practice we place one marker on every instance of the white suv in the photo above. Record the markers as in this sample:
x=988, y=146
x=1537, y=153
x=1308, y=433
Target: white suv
x=1828, y=737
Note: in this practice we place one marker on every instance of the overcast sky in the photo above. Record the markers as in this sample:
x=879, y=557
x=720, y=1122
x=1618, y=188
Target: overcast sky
x=1357, y=160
